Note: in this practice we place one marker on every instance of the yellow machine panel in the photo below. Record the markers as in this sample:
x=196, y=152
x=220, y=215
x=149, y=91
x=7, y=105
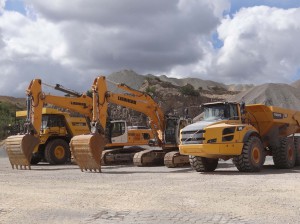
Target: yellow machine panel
x=245, y=133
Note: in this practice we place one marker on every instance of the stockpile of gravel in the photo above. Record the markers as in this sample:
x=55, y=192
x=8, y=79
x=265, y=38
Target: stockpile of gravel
x=271, y=94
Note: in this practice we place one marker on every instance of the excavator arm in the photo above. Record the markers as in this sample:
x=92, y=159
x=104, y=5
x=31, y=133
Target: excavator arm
x=20, y=147
x=135, y=100
x=84, y=148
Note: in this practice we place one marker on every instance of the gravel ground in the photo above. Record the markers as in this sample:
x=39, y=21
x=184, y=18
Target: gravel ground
x=127, y=194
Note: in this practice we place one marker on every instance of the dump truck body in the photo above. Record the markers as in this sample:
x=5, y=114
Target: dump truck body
x=228, y=137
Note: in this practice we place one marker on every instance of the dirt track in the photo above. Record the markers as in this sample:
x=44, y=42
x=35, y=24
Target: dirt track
x=126, y=194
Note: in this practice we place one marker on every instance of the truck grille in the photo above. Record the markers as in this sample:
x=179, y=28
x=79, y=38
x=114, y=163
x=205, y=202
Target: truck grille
x=192, y=137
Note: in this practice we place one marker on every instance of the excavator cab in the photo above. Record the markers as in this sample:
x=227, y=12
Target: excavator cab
x=118, y=130
x=173, y=127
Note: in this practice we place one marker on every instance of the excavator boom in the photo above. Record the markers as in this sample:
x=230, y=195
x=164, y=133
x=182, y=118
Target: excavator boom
x=21, y=147
x=87, y=148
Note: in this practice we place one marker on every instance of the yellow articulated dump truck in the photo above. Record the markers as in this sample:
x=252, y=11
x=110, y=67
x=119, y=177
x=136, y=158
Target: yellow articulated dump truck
x=247, y=134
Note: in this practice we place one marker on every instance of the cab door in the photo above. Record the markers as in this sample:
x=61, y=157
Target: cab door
x=119, y=132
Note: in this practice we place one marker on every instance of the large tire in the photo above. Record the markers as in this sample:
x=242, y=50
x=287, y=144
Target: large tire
x=57, y=151
x=252, y=157
x=297, y=151
x=36, y=158
x=284, y=157
x=202, y=164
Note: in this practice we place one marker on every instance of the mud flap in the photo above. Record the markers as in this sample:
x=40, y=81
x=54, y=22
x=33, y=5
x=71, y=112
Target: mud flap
x=87, y=151
x=20, y=148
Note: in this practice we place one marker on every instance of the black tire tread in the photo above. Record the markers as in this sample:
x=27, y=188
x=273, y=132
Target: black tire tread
x=297, y=149
x=49, y=156
x=280, y=157
x=35, y=159
x=202, y=164
x=243, y=162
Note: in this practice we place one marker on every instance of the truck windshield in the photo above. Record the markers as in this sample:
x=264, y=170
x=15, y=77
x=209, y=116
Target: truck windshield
x=215, y=112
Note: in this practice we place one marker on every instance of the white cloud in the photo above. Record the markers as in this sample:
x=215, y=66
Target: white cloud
x=261, y=44
x=32, y=49
x=142, y=35
x=70, y=44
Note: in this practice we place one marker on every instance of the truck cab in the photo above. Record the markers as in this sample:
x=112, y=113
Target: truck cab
x=221, y=111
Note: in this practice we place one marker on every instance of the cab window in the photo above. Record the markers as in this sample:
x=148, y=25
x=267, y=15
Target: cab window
x=118, y=129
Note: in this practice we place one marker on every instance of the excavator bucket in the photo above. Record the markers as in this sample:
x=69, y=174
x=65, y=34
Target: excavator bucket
x=19, y=149
x=87, y=151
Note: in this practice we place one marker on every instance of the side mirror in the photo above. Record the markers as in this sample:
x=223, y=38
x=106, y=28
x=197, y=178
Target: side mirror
x=243, y=111
x=242, y=108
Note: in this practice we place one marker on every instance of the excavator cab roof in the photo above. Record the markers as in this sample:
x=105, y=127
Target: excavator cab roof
x=219, y=102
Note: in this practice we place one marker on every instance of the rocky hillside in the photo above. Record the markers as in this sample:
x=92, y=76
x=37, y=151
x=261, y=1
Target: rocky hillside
x=296, y=84
x=18, y=102
x=281, y=95
x=173, y=95
x=134, y=80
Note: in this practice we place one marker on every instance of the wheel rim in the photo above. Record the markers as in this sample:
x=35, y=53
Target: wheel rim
x=256, y=154
x=290, y=153
x=59, y=152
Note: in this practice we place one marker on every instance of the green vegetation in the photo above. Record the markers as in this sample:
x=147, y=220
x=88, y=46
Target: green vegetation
x=151, y=90
x=7, y=118
x=188, y=90
x=89, y=93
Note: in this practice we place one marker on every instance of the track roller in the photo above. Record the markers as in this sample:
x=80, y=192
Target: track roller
x=175, y=159
x=149, y=157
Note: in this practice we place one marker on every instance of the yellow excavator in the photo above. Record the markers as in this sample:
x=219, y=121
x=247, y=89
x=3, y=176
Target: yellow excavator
x=245, y=134
x=87, y=149
x=47, y=131
x=52, y=140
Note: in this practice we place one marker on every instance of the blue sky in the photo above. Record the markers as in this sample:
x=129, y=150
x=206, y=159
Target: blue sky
x=15, y=5
x=236, y=5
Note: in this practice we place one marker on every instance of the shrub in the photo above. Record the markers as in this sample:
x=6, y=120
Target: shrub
x=188, y=90
x=151, y=90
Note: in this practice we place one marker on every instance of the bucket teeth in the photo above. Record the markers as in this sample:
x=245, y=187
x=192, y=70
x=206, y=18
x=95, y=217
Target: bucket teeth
x=19, y=150
x=87, y=150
